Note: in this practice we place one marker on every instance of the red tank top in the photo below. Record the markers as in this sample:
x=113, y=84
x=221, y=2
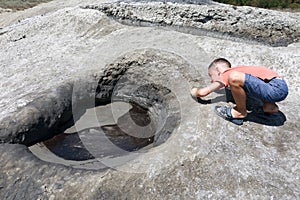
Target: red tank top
x=260, y=72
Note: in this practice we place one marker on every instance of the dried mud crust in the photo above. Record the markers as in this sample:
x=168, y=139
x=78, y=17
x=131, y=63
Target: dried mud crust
x=231, y=22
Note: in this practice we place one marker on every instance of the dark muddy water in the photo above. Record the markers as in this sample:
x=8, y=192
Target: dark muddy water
x=131, y=132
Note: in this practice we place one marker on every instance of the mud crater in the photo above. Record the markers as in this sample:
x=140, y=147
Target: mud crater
x=127, y=110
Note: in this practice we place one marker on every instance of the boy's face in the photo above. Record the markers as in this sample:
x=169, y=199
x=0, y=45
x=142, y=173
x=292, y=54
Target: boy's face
x=214, y=75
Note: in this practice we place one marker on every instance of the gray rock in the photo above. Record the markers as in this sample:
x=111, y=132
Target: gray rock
x=72, y=55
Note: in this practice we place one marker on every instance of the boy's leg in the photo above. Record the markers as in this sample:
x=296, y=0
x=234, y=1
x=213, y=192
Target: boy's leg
x=236, y=81
x=270, y=107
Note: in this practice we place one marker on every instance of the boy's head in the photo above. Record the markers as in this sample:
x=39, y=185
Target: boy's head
x=217, y=67
x=220, y=62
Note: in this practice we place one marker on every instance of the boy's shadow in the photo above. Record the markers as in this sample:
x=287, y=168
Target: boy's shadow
x=254, y=105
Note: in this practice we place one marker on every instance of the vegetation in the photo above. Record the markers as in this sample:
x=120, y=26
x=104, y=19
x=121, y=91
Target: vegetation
x=20, y=4
x=293, y=4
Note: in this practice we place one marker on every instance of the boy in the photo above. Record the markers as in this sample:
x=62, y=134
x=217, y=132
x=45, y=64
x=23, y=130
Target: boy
x=259, y=82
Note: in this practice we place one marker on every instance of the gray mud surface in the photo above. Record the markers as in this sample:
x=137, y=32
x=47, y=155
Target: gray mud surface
x=64, y=57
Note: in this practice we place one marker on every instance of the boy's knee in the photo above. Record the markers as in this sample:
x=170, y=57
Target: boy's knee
x=236, y=78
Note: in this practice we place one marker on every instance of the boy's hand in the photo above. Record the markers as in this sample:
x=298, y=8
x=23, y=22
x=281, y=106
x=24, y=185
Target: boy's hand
x=194, y=92
x=202, y=92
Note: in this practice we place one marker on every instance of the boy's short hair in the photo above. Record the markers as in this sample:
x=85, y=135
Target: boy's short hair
x=219, y=60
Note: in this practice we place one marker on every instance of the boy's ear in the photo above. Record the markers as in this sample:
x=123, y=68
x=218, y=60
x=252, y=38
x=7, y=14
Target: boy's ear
x=219, y=69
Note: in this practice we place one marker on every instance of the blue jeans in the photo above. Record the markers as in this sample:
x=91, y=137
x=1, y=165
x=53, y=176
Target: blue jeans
x=274, y=90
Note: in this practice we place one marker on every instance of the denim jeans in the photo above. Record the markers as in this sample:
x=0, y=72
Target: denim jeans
x=274, y=90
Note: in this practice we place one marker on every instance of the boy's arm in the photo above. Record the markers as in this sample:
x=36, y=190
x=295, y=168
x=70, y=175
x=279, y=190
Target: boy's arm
x=202, y=92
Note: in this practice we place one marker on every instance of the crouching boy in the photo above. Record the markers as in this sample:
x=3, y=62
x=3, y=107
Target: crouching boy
x=259, y=82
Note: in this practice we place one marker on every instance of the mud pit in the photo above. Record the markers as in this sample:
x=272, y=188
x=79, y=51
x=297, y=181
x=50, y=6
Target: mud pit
x=126, y=111
x=112, y=134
